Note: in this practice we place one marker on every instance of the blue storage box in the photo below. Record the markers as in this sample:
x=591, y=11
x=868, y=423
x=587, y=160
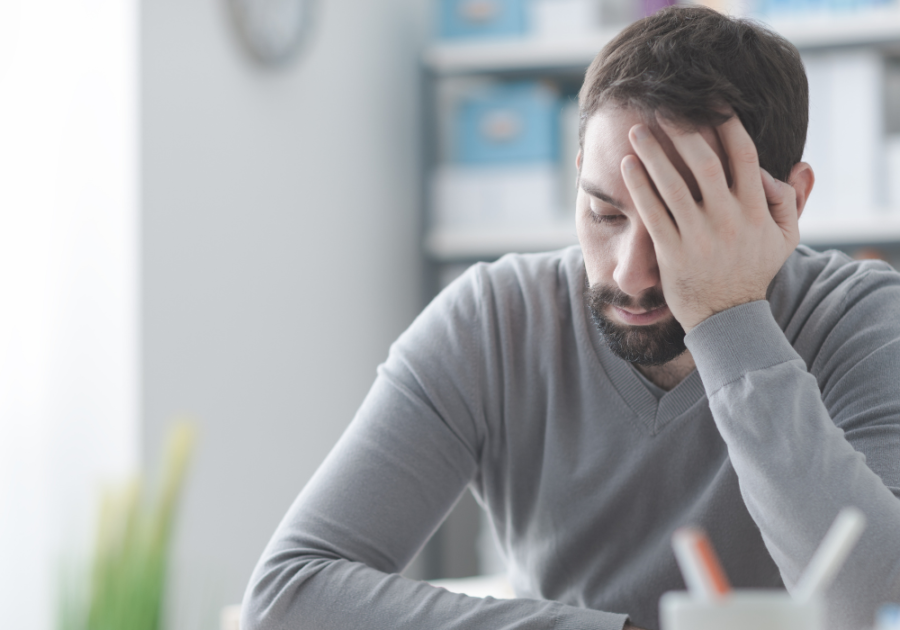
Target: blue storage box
x=508, y=123
x=481, y=18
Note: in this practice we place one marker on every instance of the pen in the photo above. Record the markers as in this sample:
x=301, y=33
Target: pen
x=699, y=564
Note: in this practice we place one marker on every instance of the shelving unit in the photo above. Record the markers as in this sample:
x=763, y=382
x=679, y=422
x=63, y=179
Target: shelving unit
x=876, y=27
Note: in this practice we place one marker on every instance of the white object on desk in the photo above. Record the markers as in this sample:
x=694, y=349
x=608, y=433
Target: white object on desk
x=741, y=610
x=831, y=554
x=230, y=618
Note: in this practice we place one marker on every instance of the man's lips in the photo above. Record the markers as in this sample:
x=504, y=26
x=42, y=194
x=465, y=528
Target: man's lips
x=641, y=318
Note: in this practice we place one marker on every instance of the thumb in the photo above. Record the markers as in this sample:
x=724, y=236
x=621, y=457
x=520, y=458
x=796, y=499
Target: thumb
x=782, y=201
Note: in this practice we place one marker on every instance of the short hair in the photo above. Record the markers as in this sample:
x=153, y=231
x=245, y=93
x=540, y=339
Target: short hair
x=687, y=63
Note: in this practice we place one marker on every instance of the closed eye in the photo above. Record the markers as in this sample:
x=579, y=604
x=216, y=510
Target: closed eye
x=607, y=219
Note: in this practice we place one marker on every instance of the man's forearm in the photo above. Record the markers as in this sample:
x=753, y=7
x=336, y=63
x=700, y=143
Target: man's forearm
x=796, y=468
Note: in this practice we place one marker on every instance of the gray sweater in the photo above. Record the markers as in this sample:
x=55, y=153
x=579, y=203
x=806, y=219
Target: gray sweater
x=504, y=386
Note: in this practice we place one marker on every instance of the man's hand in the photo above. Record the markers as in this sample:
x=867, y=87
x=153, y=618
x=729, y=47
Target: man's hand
x=725, y=249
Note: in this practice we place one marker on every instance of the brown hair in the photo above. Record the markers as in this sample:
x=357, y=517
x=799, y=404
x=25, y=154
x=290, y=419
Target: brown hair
x=688, y=63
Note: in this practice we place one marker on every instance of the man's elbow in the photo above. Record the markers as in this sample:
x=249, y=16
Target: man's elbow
x=270, y=597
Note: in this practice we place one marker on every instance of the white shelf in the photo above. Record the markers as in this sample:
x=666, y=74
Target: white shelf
x=856, y=227
x=872, y=26
x=447, y=244
x=514, y=54
x=468, y=243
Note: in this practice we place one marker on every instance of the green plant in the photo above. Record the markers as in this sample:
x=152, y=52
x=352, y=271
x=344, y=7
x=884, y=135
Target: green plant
x=123, y=588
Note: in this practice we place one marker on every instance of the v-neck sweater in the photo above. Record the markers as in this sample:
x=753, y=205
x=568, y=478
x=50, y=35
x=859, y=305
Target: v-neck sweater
x=657, y=391
x=504, y=385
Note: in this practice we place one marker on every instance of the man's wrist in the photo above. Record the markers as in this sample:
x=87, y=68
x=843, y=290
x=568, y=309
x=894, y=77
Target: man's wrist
x=732, y=343
x=711, y=311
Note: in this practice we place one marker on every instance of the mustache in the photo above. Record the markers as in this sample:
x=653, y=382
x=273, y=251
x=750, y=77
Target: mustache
x=601, y=295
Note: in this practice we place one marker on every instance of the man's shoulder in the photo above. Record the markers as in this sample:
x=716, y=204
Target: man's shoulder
x=826, y=272
x=528, y=274
x=814, y=282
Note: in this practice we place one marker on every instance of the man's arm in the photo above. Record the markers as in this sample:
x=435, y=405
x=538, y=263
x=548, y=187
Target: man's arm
x=796, y=444
x=409, y=453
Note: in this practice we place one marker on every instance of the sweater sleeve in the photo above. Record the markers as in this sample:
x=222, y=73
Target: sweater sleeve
x=394, y=475
x=804, y=447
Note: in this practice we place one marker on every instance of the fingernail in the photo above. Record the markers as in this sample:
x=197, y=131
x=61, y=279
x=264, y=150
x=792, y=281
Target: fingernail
x=640, y=132
x=629, y=162
x=769, y=177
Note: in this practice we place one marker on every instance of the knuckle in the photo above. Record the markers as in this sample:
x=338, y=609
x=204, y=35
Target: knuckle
x=746, y=153
x=710, y=168
x=654, y=220
x=679, y=195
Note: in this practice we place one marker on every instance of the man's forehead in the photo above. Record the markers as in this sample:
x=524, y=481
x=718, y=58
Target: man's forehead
x=606, y=143
x=610, y=124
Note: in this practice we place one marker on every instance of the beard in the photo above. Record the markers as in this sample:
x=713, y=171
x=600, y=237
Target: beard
x=655, y=344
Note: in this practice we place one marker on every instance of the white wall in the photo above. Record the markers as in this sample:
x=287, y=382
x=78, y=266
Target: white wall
x=280, y=258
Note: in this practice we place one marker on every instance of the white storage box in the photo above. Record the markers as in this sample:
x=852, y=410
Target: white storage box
x=563, y=19
x=491, y=196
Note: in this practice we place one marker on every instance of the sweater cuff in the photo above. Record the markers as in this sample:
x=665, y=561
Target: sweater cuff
x=737, y=341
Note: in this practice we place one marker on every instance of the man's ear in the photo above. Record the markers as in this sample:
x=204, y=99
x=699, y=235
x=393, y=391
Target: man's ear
x=801, y=180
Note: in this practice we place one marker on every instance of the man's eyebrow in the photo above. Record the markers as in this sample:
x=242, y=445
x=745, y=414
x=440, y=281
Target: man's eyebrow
x=595, y=191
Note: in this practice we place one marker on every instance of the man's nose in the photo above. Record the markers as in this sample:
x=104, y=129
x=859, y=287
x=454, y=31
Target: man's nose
x=636, y=267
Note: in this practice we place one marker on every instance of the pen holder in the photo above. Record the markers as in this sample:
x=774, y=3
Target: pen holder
x=739, y=610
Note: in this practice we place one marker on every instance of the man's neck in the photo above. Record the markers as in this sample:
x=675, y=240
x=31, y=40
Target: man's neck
x=668, y=375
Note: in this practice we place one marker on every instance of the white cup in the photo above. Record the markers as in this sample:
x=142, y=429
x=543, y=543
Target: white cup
x=739, y=610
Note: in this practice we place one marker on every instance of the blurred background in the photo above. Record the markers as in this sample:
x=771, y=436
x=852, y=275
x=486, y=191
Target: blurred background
x=227, y=210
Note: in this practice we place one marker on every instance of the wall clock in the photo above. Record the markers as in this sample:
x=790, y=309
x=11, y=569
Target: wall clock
x=272, y=30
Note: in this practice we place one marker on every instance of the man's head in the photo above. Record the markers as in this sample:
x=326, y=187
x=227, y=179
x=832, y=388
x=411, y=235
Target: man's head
x=690, y=63
x=693, y=67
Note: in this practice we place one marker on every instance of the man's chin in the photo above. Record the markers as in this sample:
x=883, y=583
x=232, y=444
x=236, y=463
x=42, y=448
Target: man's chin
x=654, y=344
x=649, y=334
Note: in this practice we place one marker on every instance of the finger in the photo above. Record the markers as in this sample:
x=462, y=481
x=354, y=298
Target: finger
x=774, y=192
x=782, y=201
x=671, y=186
x=742, y=156
x=703, y=161
x=653, y=212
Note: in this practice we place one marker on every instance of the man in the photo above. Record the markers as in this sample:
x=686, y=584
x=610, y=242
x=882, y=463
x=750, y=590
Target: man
x=688, y=364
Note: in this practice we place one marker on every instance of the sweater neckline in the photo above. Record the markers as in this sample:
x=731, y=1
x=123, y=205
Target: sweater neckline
x=652, y=413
